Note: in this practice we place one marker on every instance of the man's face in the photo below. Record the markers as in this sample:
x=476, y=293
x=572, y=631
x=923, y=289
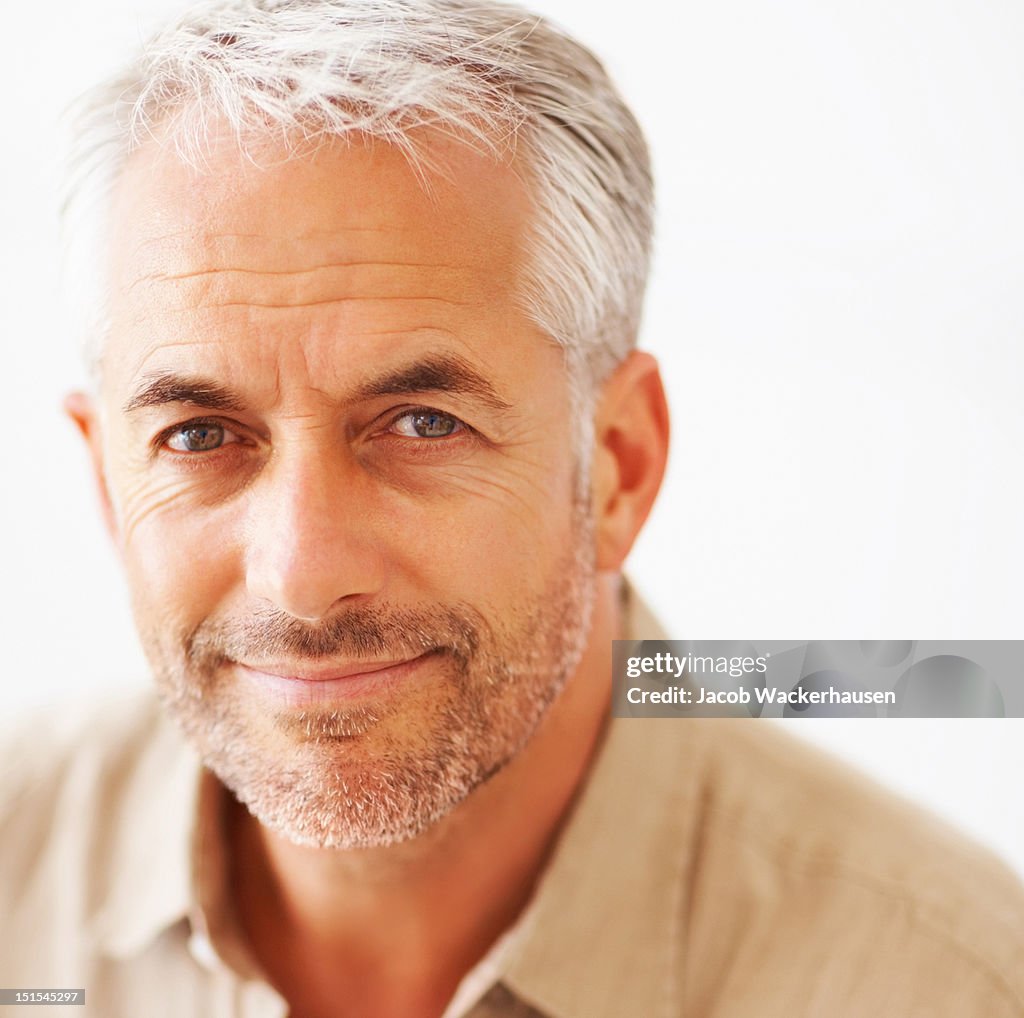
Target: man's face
x=342, y=479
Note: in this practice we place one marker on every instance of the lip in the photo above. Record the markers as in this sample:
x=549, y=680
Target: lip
x=308, y=685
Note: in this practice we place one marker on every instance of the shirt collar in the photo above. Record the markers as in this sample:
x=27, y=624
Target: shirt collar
x=156, y=818
x=170, y=863
x=603, y=936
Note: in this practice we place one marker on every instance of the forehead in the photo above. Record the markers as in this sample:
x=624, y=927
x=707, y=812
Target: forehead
x=265, y=253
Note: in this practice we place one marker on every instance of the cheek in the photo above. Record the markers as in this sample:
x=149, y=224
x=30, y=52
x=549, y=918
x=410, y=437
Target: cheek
x=494, y=537
x=180, y=564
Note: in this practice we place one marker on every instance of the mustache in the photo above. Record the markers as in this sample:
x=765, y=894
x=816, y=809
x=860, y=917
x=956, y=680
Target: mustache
x=358, y=632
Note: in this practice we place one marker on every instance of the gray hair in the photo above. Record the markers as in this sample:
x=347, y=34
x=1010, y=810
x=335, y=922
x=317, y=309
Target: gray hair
x=306, y=71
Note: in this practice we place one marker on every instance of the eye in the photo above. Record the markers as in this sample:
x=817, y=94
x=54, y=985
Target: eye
x=426, y=424
x=199, y=436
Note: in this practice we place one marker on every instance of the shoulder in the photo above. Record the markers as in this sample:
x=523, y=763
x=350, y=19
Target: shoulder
x=77, y=782
x=60, y=743
x=815, y=869
x=71, y=754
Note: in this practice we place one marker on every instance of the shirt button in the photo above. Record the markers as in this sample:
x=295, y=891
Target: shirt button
x=201, y=949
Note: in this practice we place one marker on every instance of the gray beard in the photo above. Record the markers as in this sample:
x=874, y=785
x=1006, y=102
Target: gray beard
x=341, y=778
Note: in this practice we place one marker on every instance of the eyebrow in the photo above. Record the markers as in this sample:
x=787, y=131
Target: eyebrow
x=168, y=387
x=439, y=373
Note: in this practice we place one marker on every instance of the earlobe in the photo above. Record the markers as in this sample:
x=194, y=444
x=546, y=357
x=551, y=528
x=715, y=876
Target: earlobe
x=82, y=409
x=631, y=451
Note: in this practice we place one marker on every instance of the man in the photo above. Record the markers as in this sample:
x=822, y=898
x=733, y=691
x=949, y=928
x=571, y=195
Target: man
x=373, y=440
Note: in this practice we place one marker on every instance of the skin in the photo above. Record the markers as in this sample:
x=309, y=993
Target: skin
x=321, y=528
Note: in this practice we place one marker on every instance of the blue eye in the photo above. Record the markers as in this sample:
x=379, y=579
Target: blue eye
x=426, y=424
x=199, y=436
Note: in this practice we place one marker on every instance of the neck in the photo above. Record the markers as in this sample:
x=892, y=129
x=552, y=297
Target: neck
x=413, y=918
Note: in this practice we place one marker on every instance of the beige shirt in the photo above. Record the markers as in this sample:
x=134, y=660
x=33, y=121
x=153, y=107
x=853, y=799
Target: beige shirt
x=711, y=868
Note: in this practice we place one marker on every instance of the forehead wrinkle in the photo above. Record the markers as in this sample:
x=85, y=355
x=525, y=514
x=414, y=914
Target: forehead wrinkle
x=171, y=277
x=340, y=300
x=162, y=276
x=280, y=250
x=311, y=286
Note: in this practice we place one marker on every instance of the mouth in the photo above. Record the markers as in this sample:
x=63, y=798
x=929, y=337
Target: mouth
x=301, y=685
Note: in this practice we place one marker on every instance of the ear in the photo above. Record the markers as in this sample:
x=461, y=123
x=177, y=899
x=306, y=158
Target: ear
x=82, y=409
x=630, y=453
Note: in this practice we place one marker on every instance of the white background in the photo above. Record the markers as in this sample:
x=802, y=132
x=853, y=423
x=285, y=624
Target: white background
x=837, y=301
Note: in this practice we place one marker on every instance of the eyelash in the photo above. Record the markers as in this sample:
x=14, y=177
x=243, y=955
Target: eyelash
x=461, y=429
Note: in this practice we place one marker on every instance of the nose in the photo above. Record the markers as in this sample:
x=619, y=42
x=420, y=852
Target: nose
x=310, y=538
